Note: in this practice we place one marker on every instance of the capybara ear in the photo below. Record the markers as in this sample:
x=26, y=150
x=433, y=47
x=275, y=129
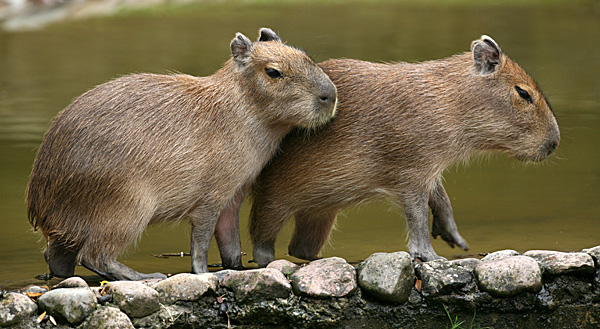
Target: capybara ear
x=486, y=54
x=266, y=34
x=241, y=47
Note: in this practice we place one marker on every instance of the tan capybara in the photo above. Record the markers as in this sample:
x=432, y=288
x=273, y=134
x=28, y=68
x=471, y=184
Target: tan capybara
x=146, y=148
x=398, y=127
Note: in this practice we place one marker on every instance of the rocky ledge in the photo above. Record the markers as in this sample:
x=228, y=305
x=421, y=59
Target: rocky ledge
x=540, y=288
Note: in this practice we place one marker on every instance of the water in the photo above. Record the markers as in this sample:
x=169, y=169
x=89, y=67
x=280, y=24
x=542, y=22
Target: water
x=498, y=202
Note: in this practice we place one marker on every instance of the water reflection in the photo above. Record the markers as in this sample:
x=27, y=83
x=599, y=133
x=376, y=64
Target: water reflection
x=499, y=203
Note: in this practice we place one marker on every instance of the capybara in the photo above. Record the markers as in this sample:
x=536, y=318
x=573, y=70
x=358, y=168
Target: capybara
x=148, y=148
x=398, y=127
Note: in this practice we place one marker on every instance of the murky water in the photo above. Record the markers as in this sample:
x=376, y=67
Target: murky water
x=498, y=202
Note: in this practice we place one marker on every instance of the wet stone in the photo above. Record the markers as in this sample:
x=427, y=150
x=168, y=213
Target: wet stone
x=134, y=298
x=107, y=318
x=387, y=276
x=71, y=304
x=15, y=307
x=324, y=278
x=185, y=287
x=468, y=263
x=257, y=285
x=284, y=266
x=595, y=253
x=441, y=277
x=509, y=276
x=499, y=255
x=72, y=282
x=557, y=263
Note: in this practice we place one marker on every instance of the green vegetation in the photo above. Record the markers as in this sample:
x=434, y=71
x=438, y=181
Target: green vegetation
x=455, y=324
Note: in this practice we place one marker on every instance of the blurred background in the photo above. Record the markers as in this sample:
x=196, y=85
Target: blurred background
x=52, y=51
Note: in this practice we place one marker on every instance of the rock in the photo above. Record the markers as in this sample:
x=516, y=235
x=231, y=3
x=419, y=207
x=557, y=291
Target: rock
x=595, y=253
x=284, y=266
x=107, y=318
x=509, y=276
x=499, y=255
x=323, y=278
x=221, y=274
x=15, y=307
x=440, y=277
x=70, y=304
x=72, y=282
x=185, y=287
x=557, y=263
x=35, y=290
x=257, y=285
x=389, y=277
x=468, y=263
x=134, y=298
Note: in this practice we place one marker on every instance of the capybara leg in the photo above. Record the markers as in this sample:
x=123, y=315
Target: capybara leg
x=417, y=219
x=203, y=223
x=310, y=234
x=227, y=233
x=264, y=227
x=443, y=218
x=60, y=258
x=112, y=270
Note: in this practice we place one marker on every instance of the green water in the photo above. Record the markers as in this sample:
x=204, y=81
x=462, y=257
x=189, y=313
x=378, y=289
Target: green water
x=499, y=203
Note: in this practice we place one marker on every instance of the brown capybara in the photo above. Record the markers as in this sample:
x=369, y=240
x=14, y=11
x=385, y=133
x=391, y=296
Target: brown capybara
x=398, y=127
x=146, y=148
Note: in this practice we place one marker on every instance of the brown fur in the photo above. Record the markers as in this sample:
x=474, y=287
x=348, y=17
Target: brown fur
x=398, y=127
x=146, y=148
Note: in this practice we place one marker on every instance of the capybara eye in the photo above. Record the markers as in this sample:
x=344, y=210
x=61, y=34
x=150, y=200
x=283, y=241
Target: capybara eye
x=273, y=73
x=524, y=94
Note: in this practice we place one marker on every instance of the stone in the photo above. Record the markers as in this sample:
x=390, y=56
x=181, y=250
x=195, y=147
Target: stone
x=468, y=263
x=134, y=298
x=15, y=307
x=324, y=278
x=595, y=253
x=35, y=290
x=107, y=318
x=499, y=255
x=257, y=285
x=221, y=274
x=70, y=304
x=441, y=277
x=72, y=282
x=509, y=276
x=557, y=263
x=185, y=287
x=284, y=266
x=387, y=276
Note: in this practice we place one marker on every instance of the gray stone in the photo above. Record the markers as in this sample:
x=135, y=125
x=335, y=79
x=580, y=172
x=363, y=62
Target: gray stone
x=323, y=278
x=499, y=255
x=557, y=263
x=72, y=282
x=440, y=277
x=221, y=274
x=284, y=266
x=134, y=298
x=70, y=304
x=257, y=285
x=468, y=263
x=15, y=307
x=35, y=290
x=389, y=277
x=595, y=253
x=185, y=287
x=509, y=276
x=107, y=318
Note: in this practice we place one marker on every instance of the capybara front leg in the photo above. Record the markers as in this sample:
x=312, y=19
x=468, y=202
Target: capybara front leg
x=417, y=219
x=443, y=218
x=112, y=270
x=203, y=228
x=227, y=233
x=310, y=234
x=61, y=259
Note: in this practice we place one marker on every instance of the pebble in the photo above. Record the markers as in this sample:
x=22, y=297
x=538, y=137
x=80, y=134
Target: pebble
x=499, y=255
x=72, y=282
x=15, y=307
x=324, y=278
x=70, y=304
x=107, y=318
x=441, y=277
x=557, y=263
x=387, y=276
x=185, y=287
x=509, y=276
x=284, y=266
x=134, y=298
x=257, y=285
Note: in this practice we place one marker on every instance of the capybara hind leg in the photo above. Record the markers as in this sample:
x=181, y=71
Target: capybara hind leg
x=264, y=227
x=227, y=233
x=60, y=258
x=113, y=270
x=443, y=218
x=310, y=234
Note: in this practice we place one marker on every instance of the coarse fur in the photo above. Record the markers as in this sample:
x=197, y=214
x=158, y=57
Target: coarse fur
x=148, y=148
x=398, y=127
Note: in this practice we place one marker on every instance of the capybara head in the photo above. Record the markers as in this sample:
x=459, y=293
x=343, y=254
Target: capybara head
x=519, y=119
x=278, y=74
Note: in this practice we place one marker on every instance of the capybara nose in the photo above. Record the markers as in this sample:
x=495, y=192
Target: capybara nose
x=551, y=146
x=328, y=95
